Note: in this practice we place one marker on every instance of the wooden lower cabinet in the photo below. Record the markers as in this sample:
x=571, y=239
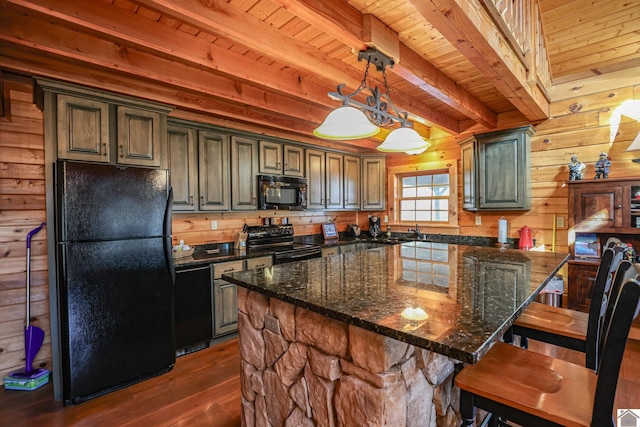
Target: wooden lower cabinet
x=225, y=298
x=582, y=276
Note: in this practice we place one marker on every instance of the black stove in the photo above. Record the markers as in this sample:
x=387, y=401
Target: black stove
x=279, y=240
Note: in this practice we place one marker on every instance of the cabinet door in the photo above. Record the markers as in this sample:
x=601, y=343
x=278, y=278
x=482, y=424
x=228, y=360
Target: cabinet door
x=83, y=129
x=597, y=206
x=504, y=169
x=334, y=180
x=226, y=307
x=270, y=158
x=139, y=138
x=315, y=179
x=469, y=197
x=373, y=183
x=183, y=164
x=351, y=182
x=580, y=284
x=293, y=161
x=225, y=298
x=213, y=171
x=244, y=169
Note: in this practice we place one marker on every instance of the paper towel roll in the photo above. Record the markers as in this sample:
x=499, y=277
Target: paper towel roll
x=502, y=230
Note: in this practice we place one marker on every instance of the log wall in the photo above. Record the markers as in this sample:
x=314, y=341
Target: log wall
x=578, y=126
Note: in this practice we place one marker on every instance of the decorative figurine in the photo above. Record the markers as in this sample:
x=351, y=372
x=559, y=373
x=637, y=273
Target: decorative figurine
x=602, y=166
x=575, y=169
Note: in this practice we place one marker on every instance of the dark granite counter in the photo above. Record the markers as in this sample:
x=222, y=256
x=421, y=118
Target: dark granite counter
x=471, y=294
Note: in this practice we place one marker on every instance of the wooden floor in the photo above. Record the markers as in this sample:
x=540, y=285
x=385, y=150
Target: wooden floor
x=203, y=389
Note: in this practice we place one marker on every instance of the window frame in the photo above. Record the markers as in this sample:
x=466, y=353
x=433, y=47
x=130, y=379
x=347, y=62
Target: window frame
x=394, y=177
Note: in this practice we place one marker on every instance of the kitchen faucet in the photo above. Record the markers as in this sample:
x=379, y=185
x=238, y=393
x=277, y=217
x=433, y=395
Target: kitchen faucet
x=417, y=231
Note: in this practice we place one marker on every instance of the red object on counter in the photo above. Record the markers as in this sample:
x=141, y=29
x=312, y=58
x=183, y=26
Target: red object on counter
x=525, y=242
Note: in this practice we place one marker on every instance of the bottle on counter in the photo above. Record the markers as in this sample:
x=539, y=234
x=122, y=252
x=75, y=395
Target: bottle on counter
x=388, y=232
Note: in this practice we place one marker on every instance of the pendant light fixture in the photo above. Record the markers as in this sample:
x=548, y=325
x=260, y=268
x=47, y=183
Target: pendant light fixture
x=355, y=120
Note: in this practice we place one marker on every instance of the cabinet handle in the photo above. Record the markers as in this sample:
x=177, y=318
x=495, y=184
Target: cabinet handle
x=201, y=200
x=260, y=265
x=191, y=199
x=121, y=151
x=618, y=206
x=228, y=270
x=104, y=149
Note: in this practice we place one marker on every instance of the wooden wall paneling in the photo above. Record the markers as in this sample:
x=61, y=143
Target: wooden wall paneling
x=22, y=194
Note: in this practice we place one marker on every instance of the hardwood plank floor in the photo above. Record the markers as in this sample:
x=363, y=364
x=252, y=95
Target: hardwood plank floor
x=203, y=389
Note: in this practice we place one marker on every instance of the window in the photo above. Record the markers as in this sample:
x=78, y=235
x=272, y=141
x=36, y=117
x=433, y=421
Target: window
x=424, y=197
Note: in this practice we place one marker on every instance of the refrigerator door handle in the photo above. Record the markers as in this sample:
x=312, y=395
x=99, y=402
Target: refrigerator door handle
x=168, y=251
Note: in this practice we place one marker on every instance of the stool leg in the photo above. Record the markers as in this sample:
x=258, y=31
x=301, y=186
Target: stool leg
x=508, y=336
x=467, y=410
x=524, y=342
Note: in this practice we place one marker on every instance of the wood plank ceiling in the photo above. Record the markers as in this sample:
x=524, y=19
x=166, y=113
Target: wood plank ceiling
x=270, y=63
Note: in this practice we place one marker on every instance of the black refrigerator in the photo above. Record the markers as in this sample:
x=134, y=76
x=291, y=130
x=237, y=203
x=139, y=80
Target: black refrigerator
x=115, y=277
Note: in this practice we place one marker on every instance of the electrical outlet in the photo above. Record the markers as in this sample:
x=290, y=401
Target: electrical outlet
x=478, y=220
x=272, y=324
x=214, y=225
x=386, y=218
x=560, y=222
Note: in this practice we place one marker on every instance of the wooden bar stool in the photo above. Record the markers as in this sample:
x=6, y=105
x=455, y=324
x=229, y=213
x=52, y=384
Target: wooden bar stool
x=536, y=390
x=569, y=328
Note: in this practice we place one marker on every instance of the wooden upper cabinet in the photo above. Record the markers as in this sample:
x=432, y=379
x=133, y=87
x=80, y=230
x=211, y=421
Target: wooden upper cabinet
x=351, y=182
x=270, y=158
x=182, y=152
x=83, y=129
x=91, y=125
x=281, y=159
x=293, y=161
x=496, y=170
x=334, y=179
x=469, y=171
x=315, y=179
x=373, y=183
x=213, y=171
x=139, y=137
x=244, y=170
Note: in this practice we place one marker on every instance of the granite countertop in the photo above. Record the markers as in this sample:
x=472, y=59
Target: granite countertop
x=471, y=294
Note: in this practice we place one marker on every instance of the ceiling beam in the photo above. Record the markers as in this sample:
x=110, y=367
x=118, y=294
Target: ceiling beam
x=467, y=25
x=349, y=26
x=227, y=21
x=207, y=109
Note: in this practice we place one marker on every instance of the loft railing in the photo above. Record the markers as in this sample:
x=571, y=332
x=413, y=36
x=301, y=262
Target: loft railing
x=520, y=21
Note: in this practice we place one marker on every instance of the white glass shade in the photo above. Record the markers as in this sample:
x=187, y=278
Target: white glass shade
x=420, y=150
x=346, y=123
x=402, y=140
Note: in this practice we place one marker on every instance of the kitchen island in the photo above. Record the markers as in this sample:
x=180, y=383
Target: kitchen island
x=374, y=337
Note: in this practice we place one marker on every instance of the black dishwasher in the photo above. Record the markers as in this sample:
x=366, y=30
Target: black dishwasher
x=193, y=309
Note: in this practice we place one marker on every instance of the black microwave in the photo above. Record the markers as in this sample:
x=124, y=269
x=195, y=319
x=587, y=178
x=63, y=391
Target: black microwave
x=282, y=192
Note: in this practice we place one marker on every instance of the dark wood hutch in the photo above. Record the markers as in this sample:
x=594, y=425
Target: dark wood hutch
x=609, y=208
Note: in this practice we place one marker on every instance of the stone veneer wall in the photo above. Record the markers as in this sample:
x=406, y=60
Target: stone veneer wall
x=323, y=372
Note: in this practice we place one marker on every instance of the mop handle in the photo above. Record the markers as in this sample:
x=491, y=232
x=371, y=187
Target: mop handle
x=31, y=233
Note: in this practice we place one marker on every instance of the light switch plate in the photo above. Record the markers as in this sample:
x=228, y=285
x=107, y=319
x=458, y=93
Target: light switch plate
x=214, y=225
x=478, y=220
x=560, y=222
